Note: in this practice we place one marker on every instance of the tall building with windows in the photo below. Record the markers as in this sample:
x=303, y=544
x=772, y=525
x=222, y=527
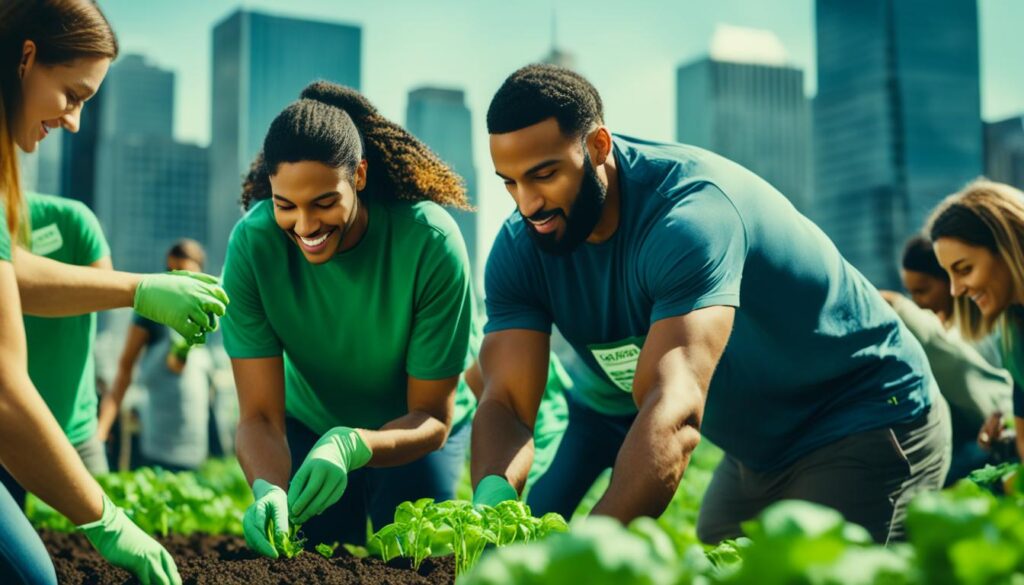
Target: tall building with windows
x=440, y=118
x=896, y=120
x=747, y=103
x=150, y=190
x=261, y=63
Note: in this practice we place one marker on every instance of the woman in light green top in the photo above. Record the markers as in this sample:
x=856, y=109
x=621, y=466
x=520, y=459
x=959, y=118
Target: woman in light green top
x=349, y=322
x=978, y=238
x=53, y=56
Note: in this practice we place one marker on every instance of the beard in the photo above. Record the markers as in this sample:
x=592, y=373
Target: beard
x=581, y=220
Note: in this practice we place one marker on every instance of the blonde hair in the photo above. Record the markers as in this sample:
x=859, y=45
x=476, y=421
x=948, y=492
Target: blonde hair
x=63, y=30
x=988, y=214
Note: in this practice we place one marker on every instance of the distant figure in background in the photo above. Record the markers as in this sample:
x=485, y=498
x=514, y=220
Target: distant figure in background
x=60, y=357
x=978, y=238
x=176, y=377
x=969, y=375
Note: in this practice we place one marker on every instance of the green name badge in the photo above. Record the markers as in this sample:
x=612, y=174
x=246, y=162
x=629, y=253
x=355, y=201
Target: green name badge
x=618, y=360
x=46, y=240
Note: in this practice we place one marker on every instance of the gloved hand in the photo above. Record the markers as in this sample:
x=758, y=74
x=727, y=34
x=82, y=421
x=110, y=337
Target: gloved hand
x=493, y=490
x=323, y=476
x=125, y=545
x=267, y=515
x=188, y=302
x=179, y=347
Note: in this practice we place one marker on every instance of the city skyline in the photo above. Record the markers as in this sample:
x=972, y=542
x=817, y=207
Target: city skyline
x=473, y=46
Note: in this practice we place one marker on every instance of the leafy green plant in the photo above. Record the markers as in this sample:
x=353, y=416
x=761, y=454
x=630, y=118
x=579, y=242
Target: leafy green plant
x=289, y=545
x=424, y=528
x=326, y=550
x=212, y=500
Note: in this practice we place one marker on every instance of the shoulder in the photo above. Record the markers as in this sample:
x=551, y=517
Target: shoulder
x=424, y=219
x=54, y=207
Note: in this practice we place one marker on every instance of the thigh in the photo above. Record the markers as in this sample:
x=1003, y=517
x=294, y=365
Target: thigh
x=22, y=554
x=345, y=521
x=434, y=475
x=861, y=476
x=589, y=446
x=734, y=496
x=93, y=455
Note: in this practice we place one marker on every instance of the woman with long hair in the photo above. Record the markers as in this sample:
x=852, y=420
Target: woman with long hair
x=53, y=56
x=349, y=323
x=978, y=237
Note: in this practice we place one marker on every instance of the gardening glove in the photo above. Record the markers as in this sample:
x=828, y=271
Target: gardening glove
x=125, y=545
x=493, y=490
x=266, y=518
x=321, y=479
x=179, y=347
x=188, y=302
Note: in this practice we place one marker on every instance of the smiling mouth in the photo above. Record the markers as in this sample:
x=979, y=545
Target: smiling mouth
x=315, y=242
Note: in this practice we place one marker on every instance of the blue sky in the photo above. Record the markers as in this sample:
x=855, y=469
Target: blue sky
x=629, y=50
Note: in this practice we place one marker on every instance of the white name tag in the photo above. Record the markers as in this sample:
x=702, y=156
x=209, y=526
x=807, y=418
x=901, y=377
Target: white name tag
x=618, y=362
x=46, y=240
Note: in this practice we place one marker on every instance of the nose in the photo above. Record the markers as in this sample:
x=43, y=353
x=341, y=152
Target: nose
x=529, y=203
x=306, y=225
x=956, y=287
x=71, y=120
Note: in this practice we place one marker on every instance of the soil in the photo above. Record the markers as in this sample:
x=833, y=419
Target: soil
x=222, y=560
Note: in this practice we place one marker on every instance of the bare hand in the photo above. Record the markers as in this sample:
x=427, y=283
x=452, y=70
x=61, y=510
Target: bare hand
x=991, y=431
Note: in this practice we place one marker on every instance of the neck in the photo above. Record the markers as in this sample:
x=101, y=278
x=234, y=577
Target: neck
x=609, y=221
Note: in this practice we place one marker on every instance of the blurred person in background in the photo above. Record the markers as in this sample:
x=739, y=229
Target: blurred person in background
x=978, y=238
x=968, y=372
x=176, y=377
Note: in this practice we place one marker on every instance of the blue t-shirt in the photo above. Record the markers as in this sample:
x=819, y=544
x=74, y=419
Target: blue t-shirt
x=815, y=353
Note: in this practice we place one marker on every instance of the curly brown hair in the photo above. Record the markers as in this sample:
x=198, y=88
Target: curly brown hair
x=339, y=127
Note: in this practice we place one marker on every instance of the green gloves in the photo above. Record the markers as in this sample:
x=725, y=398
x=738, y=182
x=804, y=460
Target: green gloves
x=188, y=302
x=493, y=490
x=125, y=545
x=179, y=347
x=267, y=515
x=323, y=476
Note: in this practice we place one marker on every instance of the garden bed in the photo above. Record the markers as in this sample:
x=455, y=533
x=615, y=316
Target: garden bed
x=223, y=560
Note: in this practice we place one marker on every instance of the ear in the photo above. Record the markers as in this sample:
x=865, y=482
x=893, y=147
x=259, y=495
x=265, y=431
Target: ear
x=600, y=144
x=28, y=58
x=361, y=175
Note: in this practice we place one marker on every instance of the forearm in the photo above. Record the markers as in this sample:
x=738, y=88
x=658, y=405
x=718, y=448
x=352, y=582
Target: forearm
x=652, y=459
x=53, y=289
x=405, y=439
x=502, y=445
x=262, y=450
x=36, y=452
x=1018, y=422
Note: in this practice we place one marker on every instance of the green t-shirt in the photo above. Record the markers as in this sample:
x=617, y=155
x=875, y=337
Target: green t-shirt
x=353, y=329
x=5, y=234
x=60, y=350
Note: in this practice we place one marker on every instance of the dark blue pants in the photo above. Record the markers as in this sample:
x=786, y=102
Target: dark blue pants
x=589, y=447
x=23, y=558
x=375, y=492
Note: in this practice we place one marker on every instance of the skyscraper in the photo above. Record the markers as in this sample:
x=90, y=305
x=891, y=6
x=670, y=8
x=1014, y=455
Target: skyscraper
x=260, y=65
x=150, y=189
x=1004, y=151
x=745, y=102
x=440, y=118
x=897, y=120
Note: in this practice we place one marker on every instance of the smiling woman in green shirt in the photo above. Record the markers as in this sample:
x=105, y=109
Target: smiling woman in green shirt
x=349, y=322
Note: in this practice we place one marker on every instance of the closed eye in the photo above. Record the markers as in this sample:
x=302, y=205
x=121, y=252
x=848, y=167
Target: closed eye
x=544, y=176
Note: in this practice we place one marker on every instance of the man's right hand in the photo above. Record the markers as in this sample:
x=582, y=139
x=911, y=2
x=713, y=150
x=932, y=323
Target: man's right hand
x=266, y=518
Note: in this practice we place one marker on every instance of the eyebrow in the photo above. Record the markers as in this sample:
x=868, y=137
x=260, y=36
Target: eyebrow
x=315, y=199
x=537, y=167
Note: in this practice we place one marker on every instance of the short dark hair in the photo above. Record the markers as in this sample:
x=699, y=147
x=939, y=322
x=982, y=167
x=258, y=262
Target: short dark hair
x=918, y=256
x=537, y=92
x=188, y=249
